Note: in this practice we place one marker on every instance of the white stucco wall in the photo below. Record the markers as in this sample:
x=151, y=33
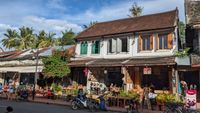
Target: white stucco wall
x=133, y=49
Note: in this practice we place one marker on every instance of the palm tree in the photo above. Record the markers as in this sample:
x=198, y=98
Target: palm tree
x=25, y=38
x=67, y=37
x=44, y=40
x=135, y=10
x=10, y=39
x=90, y=24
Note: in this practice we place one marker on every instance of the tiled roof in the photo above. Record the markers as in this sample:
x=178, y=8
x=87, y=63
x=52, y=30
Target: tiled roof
x=128, y=25
x=156, y=61
x=79, y=63
x=27, y=54
x=151, y=61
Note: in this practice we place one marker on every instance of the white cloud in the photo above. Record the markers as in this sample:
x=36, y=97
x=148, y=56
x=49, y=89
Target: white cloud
x=50, y=25
x=121, y=10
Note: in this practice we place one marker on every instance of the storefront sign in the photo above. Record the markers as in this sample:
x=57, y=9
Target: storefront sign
x=147, y=71
x=191, y=99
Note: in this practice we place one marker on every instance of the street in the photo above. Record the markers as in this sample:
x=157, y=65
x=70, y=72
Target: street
x=29, y=107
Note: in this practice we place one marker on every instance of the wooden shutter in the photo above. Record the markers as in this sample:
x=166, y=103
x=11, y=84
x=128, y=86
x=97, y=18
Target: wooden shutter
x=86, y=47
x=114, y=45
x=128, y=44
x=140, y=43
x=169, y=41
x=81, y=48
x=93, y=47
x=151, y=42
x=119, y=45
x=157, y=41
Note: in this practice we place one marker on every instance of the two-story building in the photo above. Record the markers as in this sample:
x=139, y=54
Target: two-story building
x=129, y=52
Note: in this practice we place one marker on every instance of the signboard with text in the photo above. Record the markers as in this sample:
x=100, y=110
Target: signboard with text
x=147, y=71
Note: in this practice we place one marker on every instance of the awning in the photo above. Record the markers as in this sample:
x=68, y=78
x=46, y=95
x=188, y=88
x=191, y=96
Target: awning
x=106, y=62
x=79, y=63
x=22, y=69
x=158, y=61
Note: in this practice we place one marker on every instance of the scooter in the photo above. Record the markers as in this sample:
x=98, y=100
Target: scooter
x=23, y=95
x=80, y=102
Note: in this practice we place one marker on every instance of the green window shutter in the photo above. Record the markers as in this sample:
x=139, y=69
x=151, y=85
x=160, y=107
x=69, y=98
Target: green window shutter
x=93, y=48
x=81, y=48
x=98, y=47
x=86, y=45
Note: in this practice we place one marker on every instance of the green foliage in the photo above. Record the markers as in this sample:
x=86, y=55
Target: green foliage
x=26, y=39
x=67, y=38
x=90, y=24
x=135, y=10
x=129, y=94
x=167, y=98
x=182, y=28
x=55, y=66
x=56, y=88
x=183, y=53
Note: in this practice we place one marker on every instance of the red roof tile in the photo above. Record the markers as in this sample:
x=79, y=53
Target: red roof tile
x=128, y=25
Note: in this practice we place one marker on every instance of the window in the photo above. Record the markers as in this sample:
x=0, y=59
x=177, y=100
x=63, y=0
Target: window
x=163, y=41
x=124, y=46
x=95, y=47
x=84, y=46
x=118, y=45
x=145, y=42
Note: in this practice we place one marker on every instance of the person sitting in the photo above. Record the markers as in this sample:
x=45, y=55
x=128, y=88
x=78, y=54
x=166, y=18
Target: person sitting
x=81, y=94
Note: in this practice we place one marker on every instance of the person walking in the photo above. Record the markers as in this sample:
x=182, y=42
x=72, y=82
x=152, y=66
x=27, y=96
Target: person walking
x=5, y=90
x=11, y=92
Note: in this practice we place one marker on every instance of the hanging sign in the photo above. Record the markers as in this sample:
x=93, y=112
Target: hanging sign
x=85, y=71
x=191, y=99
x=147, y=71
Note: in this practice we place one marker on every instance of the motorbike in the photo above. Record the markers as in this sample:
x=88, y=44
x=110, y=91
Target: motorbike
x=132, y=106
x=98, y=103
x=80, y=102
x=23, y=95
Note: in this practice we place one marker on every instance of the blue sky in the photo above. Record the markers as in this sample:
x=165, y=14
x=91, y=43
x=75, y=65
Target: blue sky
x=59, y=15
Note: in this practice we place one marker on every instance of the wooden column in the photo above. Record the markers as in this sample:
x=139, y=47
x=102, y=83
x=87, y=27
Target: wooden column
x=127, y=79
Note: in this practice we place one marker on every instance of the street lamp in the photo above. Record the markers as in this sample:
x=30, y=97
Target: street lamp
x=36, y=73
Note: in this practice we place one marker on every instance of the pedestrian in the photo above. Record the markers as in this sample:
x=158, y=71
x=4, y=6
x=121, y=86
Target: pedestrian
x=1, y=88
x=5, y=90
x=9, y=109
x=11, y=92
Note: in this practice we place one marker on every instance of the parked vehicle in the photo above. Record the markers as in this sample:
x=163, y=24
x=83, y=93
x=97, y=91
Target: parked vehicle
x=132, y=106
x=22, y=94
x=81, y=101
x=98, y=103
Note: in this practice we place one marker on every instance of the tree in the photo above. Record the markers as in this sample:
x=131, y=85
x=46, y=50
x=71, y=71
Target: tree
x=67, y=38
x=135, y=10
x=44, y=40
x=10, y=40
x=25, y=39
x=56, y=65
x=90, y=24
x=182, y=28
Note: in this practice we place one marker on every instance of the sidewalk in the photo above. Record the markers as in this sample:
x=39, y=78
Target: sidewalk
x=64, y=103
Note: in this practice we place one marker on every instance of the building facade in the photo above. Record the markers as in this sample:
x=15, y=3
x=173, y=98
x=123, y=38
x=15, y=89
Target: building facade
x=129, y=53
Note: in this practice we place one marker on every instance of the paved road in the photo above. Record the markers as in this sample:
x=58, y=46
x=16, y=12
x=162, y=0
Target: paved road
x=27, y=107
